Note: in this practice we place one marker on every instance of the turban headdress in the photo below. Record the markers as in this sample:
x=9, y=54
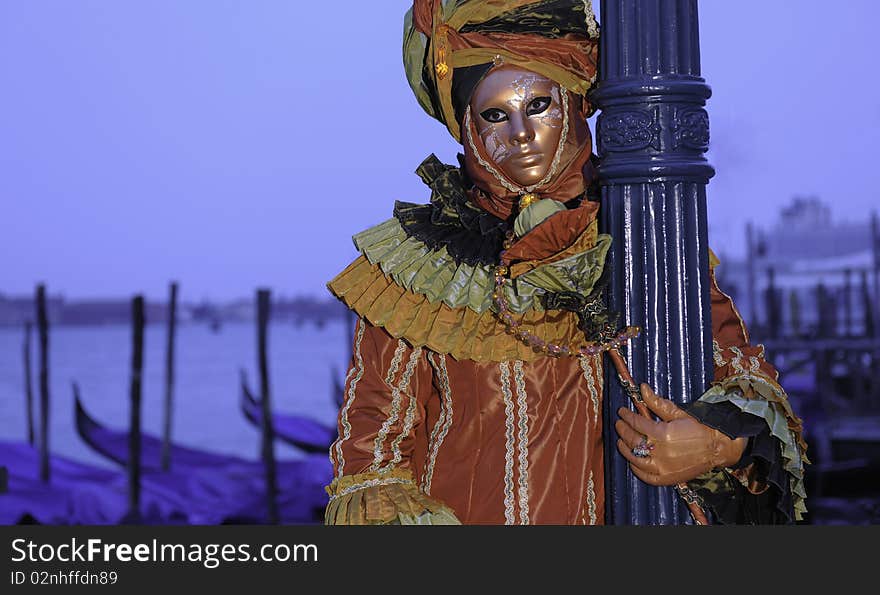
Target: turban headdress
x=555, y=38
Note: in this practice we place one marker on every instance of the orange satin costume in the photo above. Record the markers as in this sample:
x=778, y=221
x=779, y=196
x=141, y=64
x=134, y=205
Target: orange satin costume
x=447, y=417
x=517, y=441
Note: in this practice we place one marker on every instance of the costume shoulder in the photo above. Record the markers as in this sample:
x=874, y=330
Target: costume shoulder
x=427, y=274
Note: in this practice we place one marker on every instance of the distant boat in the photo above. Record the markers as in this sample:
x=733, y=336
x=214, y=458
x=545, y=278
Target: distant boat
x=301, y=432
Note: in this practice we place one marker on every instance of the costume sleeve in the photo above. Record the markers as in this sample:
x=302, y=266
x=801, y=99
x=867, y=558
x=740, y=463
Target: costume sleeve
x=745, y=400
x=385, y=393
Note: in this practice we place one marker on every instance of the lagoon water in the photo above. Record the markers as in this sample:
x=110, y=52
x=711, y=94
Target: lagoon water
x=302, y=362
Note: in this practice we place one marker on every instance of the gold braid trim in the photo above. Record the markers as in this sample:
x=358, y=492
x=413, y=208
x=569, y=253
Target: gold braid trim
x=459, y=332
x=376, y=498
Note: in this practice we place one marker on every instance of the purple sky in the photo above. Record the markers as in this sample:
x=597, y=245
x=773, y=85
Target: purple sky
x=232, y=144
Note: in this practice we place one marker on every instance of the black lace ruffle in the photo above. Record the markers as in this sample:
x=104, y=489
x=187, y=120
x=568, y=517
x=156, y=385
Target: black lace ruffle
x=469, y=234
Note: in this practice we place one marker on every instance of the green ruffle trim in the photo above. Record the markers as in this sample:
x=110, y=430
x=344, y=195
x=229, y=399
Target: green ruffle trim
x=775, y=417
x=436, y=275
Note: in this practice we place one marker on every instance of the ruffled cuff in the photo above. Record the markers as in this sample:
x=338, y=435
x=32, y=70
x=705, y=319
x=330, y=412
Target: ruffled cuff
x=376, y=498
x=755, y=490
x=767, y=484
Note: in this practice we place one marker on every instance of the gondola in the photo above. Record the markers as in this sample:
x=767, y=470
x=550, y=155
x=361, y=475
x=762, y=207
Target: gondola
x=208, y=488
x=301, y=432
x=113, y=444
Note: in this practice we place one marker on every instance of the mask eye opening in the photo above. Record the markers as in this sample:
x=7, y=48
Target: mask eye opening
x=538, y=105
x=493, y=115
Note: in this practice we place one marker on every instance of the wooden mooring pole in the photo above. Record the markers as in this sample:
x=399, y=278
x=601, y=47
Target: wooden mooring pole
x=169, y=377
x=874, y=302
x=43, y=330
x=866, y=307
x=794, y=306
x=268, y=444
x=134, y=431
x=875, y=246
x=772, y=317
x=28, y=383
x=751, y=255
x=847, y=303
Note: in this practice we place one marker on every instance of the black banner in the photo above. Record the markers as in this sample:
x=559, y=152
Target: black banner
x=131, y=558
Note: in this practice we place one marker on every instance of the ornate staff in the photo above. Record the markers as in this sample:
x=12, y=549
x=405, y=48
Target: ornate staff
x=599, y=326
x=632, y=389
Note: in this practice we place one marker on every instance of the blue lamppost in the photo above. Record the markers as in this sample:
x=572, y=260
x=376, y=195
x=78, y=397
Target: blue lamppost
x=652, y=134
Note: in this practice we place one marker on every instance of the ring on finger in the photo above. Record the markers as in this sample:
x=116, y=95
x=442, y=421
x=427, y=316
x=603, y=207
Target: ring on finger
x=643, y=449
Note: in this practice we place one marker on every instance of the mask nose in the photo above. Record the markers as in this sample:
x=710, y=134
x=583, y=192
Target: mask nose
x=521, y=131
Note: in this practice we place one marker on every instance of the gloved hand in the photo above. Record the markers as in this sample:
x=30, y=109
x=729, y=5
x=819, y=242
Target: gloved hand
x=681, y=448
